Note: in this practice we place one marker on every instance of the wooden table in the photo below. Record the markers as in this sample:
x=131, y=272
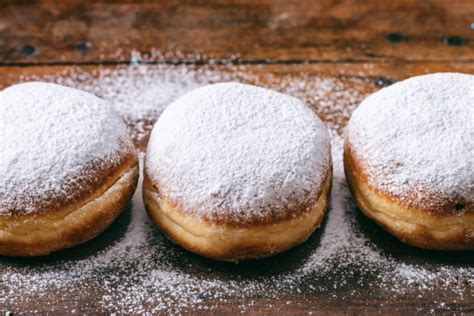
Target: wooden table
x=393, y=39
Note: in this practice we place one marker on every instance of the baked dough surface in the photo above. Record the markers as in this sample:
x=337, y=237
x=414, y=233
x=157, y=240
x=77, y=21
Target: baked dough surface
x=412, y=225
x=54, y=229
x=228, y=242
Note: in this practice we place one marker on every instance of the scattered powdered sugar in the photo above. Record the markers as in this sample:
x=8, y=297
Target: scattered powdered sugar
x=231, y=151
x=132, y=268
x=49, y=136
x=418, y=135
x=139, y=94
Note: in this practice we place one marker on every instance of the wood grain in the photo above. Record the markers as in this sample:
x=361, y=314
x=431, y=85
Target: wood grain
x=255, y=31
x=374, y=71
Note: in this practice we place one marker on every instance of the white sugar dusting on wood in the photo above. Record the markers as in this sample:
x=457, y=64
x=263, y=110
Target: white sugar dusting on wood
x=138, y=270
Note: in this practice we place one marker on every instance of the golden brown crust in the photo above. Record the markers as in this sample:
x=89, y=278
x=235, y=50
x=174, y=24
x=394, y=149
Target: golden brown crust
x=229, y=242
x=298, y=207
x=418, y=226
x=63, y=227
x=418, y=199
x=100, y=174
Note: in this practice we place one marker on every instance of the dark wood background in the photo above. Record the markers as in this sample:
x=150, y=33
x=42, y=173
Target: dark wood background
x=395, y=39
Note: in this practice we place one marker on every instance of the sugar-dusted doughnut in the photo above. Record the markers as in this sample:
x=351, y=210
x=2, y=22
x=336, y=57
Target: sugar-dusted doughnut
x=409, y=160
x=235, y=171
x=67, y=168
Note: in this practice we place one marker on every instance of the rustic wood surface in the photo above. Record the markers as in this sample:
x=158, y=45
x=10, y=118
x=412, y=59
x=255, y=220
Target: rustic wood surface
x=249, y=30
x=382, y=41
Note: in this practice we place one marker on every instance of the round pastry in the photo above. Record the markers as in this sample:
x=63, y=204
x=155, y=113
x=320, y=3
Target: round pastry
x=67, y=168
x=409, y=160
x=235, y=171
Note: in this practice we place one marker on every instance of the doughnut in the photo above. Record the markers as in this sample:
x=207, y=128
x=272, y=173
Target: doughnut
x=409, y=160
x=67, y=168
x=235, y=172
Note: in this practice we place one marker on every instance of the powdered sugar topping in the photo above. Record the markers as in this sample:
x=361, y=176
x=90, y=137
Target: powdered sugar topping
x=132, y=268
x=239, y=151
x=50, y=136
x=415, y=138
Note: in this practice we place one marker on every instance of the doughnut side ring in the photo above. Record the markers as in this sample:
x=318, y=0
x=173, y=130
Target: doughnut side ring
x=52, y=230
x=229, y=242
x=410, y=225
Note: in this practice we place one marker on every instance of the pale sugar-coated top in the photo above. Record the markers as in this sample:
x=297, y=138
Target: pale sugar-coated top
x=238, y=153
x=55, y=144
